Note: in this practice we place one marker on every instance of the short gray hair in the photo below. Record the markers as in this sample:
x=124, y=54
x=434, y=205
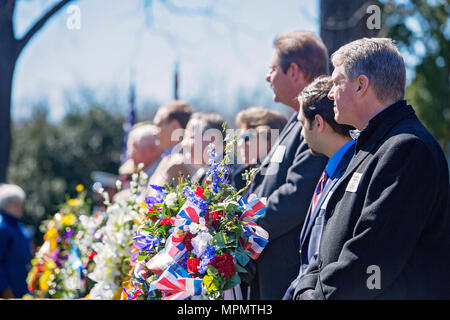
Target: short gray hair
x=10, y=192
x=379, y=60
x=144, y=134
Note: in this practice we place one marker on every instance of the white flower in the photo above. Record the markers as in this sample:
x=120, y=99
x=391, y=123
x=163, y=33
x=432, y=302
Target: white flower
x=118, y=184
x=171, y=200
x=200, y=243
x=194, y=228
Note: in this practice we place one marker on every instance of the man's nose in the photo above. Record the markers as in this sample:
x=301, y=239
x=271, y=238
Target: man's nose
x=331, y=94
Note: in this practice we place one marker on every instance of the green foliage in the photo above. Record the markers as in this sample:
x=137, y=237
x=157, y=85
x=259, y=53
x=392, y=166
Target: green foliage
x=47, y=159
x=429, y=41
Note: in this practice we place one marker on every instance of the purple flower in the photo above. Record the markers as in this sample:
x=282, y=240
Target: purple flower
x=159, y=198
x=146, y=243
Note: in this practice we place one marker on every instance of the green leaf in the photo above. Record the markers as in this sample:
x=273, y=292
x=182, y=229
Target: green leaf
x=219, y=240
x=233, y=281
x=242, y=256
x=240, y=269
x=212, y=271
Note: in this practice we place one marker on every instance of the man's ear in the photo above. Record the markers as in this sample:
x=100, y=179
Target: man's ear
x=293, y=71
x=319, y=123
x=362, y=85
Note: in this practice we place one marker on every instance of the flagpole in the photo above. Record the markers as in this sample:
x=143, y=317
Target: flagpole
x=176, y=81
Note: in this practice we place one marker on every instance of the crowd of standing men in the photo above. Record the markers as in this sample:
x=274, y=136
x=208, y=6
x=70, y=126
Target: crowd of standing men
x=356, y=188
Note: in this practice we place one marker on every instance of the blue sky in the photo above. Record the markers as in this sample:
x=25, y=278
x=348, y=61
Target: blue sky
x=216, y=55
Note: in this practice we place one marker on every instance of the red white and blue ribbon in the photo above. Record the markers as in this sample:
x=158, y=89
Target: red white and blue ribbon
x=254, y=238
x=177, y=283
x=175, y=249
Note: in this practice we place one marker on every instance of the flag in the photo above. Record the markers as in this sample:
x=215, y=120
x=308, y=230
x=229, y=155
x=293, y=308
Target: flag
x=128, y=124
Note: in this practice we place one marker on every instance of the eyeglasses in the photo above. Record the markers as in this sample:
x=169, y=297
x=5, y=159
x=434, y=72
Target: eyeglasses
x=247, y=136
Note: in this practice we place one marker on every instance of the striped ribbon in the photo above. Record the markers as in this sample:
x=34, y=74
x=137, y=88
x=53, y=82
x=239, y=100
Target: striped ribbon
x=175, y=249
x=254, y=238
x=178, y=283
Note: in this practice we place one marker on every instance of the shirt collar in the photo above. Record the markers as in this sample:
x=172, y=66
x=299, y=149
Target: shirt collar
x=167, y=152
x=383, y=121
x=336, y=158
x=9, y=218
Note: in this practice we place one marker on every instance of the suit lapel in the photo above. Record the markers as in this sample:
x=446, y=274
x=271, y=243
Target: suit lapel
x=283, y=134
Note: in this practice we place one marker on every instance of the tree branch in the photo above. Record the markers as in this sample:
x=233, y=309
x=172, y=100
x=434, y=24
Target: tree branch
x=39, y=24
x=189, y=11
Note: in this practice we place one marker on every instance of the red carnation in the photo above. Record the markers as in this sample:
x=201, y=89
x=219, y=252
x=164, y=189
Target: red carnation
x=224, y=264
x=187, y=241
x=193, y=264
x=199, y=191
x=165, y=221
x=92, y=255
x=215, y=217
x=152, y=214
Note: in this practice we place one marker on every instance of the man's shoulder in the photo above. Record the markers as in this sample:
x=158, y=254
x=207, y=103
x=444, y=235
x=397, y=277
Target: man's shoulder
x=411, y=135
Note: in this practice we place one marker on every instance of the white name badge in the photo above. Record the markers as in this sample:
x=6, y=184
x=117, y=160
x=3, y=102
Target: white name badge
x=325, y=202
x=278, y=155
x=354, y=182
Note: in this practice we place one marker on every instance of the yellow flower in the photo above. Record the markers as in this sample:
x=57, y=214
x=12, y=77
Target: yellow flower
x=210, y=283
x=74, y=202
x=51, y=237
x=143, y=205
x=50, y=264
x=79, y=188
x=44, y=280
x=68, y=220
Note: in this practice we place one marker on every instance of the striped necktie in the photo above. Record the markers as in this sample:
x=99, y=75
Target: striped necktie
x=319, y=188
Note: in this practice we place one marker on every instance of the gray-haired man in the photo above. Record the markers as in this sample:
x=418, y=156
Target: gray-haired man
x=387, y=230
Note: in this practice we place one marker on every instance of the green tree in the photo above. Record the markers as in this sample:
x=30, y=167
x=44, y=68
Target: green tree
x=428, y=40
x=48, y=159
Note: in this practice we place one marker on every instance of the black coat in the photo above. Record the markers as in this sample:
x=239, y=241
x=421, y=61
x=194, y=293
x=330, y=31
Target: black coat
x=288, y=190
x=388, y=217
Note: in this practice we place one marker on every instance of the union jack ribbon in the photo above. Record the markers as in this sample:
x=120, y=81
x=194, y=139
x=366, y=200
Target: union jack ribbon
x=254, y=238
x=140, y=272
x=173, y=251
x=187, y=214
x=177, y=283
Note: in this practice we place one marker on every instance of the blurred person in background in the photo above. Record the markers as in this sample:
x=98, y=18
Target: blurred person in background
x=142, y=147
x=258, y=127
x=201, y=130
x=171, y=120
x=15, y=245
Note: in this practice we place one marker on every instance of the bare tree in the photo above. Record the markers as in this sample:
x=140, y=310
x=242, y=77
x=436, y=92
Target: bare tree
x=344, y=21
x=10, y=49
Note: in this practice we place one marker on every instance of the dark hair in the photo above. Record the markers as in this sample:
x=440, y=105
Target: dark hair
x=314, y=101
x=176, y=110
x=304, y=49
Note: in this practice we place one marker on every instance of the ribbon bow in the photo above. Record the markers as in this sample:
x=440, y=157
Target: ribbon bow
x=177, y=282
x=254, y=237
x=175, y=249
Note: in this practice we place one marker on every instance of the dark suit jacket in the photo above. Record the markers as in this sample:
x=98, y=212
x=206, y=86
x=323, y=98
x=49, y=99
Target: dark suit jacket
x=389, y=211
x=288, y=190
x=312, y=227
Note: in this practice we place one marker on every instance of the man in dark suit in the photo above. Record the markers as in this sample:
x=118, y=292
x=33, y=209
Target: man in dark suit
x=289, y=173
x=387, y=229
x=324, y=137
